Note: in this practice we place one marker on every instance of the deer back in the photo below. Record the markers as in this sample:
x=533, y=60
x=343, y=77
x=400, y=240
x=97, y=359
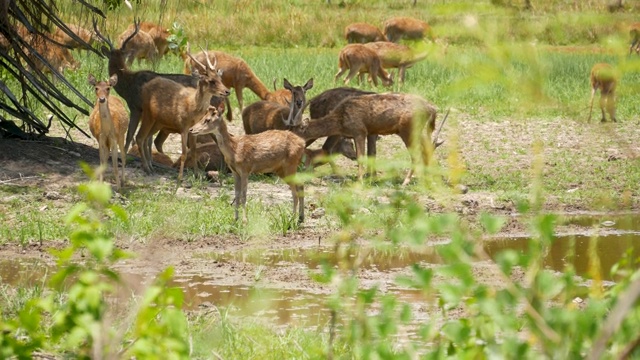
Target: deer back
x=269, y=151
x=264, y=115
x=363, y=33
x=322, y=104
x=406, y=27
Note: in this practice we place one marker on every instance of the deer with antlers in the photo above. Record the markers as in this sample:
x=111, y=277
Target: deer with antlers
x=236, y=74
x=408, y=28
x=363, y=33
x=130, y=83
x=169, y=106
x=378, y=114
x=604, y=77
x=359, y=59
x=108, y=123
x=272, y=151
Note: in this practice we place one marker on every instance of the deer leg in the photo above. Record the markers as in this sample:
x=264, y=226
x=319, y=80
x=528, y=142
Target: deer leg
x=239, y=97
x=123, y=155
x=134, y=120
x=229, y=109
x=359, y=140
x=114, y=159
x=406, y=138
x=371, y=151
x=141, y=139
x=103, y=151
x=339, y=74
x=352, y=73
x=160, y=139
x=193, y=149
x=244, y=184
x=593, y=93
x=237, y=183
x=183, y=156
x=603, y=104
x=401, y=73
x=611, y=106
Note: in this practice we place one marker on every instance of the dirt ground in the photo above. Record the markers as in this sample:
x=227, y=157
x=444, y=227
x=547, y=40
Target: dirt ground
x=51, y=164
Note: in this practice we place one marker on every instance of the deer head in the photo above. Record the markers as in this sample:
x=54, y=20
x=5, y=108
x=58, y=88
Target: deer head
x=298, y=103
x=210, y=122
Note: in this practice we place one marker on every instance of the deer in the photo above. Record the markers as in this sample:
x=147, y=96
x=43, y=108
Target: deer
x=634, y=33
x=604, y=77
x=58, y=57
x=280, y=96
x=272, y=151
x=209, y=157
x=130, y=83
x=398, y=56
x=398, y=28
x=266, y=115
x=157, y=157
x=359, y=59
x=378, y=114
x=169, y=106
x=78, y=38
x=108, y=123
x=139, y=45
x=320, y=106
x=363, y=33
x=158, y=33
x=237, y=75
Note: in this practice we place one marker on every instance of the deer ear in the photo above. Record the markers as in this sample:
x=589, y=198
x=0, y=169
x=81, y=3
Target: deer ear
x=92, y=79
x=113, y=80
x=287, y=85
x=309, y=84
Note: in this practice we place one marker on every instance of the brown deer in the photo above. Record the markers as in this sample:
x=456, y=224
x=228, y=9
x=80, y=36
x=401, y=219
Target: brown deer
x=272, y=151
x=209, y=156
x=158, y=33
x=322, y=105
x=604, y=77
x=139, y=45
x=634, y=33
x=266, y=115
x=169, y=106
x=157, y=157
x=78, y=38
x=398, y=56
x=363, y=33
x=108, y=123
x=236, y=74
x=398, y=28
x=359, y=59
x=378, y=114
x=58, y=57
x=280, y=96
x=130, y=83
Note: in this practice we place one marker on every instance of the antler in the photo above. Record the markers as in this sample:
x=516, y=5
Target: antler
x=136, y=25
x=206, y=54
x=437, y=143
x=102, y=37
x=194, y=59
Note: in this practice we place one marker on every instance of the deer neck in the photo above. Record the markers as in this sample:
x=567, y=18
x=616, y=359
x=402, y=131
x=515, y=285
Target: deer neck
x=226, y=143
x=202, y=98
x=254, y=84
x=105, y=115
x=327, y=125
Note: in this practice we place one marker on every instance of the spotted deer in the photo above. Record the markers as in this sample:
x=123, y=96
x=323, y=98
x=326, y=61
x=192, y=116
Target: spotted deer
x=603, y=77
x=359, y=59
x=362, y=33
x=398, y=28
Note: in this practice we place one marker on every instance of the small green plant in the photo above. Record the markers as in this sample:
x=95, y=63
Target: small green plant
x=178, y=39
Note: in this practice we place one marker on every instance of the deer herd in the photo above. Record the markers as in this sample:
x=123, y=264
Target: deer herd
x=276, y=137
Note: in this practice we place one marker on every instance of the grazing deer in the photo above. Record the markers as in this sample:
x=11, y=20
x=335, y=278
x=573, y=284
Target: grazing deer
x=236, y=74
x=272, y=151
x=322, y=105
x=604, y=77
x=139, y=45
x=398, y=28
x=359, y=59
x=76, y=38
x=398, y=56
x=168, y=105
x=108, y=123
x=159, y=34
x=363, y=33
x=634, y=33
x=57, y=57
x=130, y=83
x=266, y=115
x=377, y=114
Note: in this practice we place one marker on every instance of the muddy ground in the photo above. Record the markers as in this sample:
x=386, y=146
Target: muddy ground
x=51, y=164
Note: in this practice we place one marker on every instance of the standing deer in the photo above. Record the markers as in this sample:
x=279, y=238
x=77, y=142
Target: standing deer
x=604, y=77
x=236, y=75
x=266, y=115
x=398, y=28
x=634, y=33
x=159, y=35
x=359, y=59
x=169, y=106
x=78, y=38
x=378, y=114
x=272, y=151
x=130, y=83
x=108, y=123
x=363, y=33
x=398, y=56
